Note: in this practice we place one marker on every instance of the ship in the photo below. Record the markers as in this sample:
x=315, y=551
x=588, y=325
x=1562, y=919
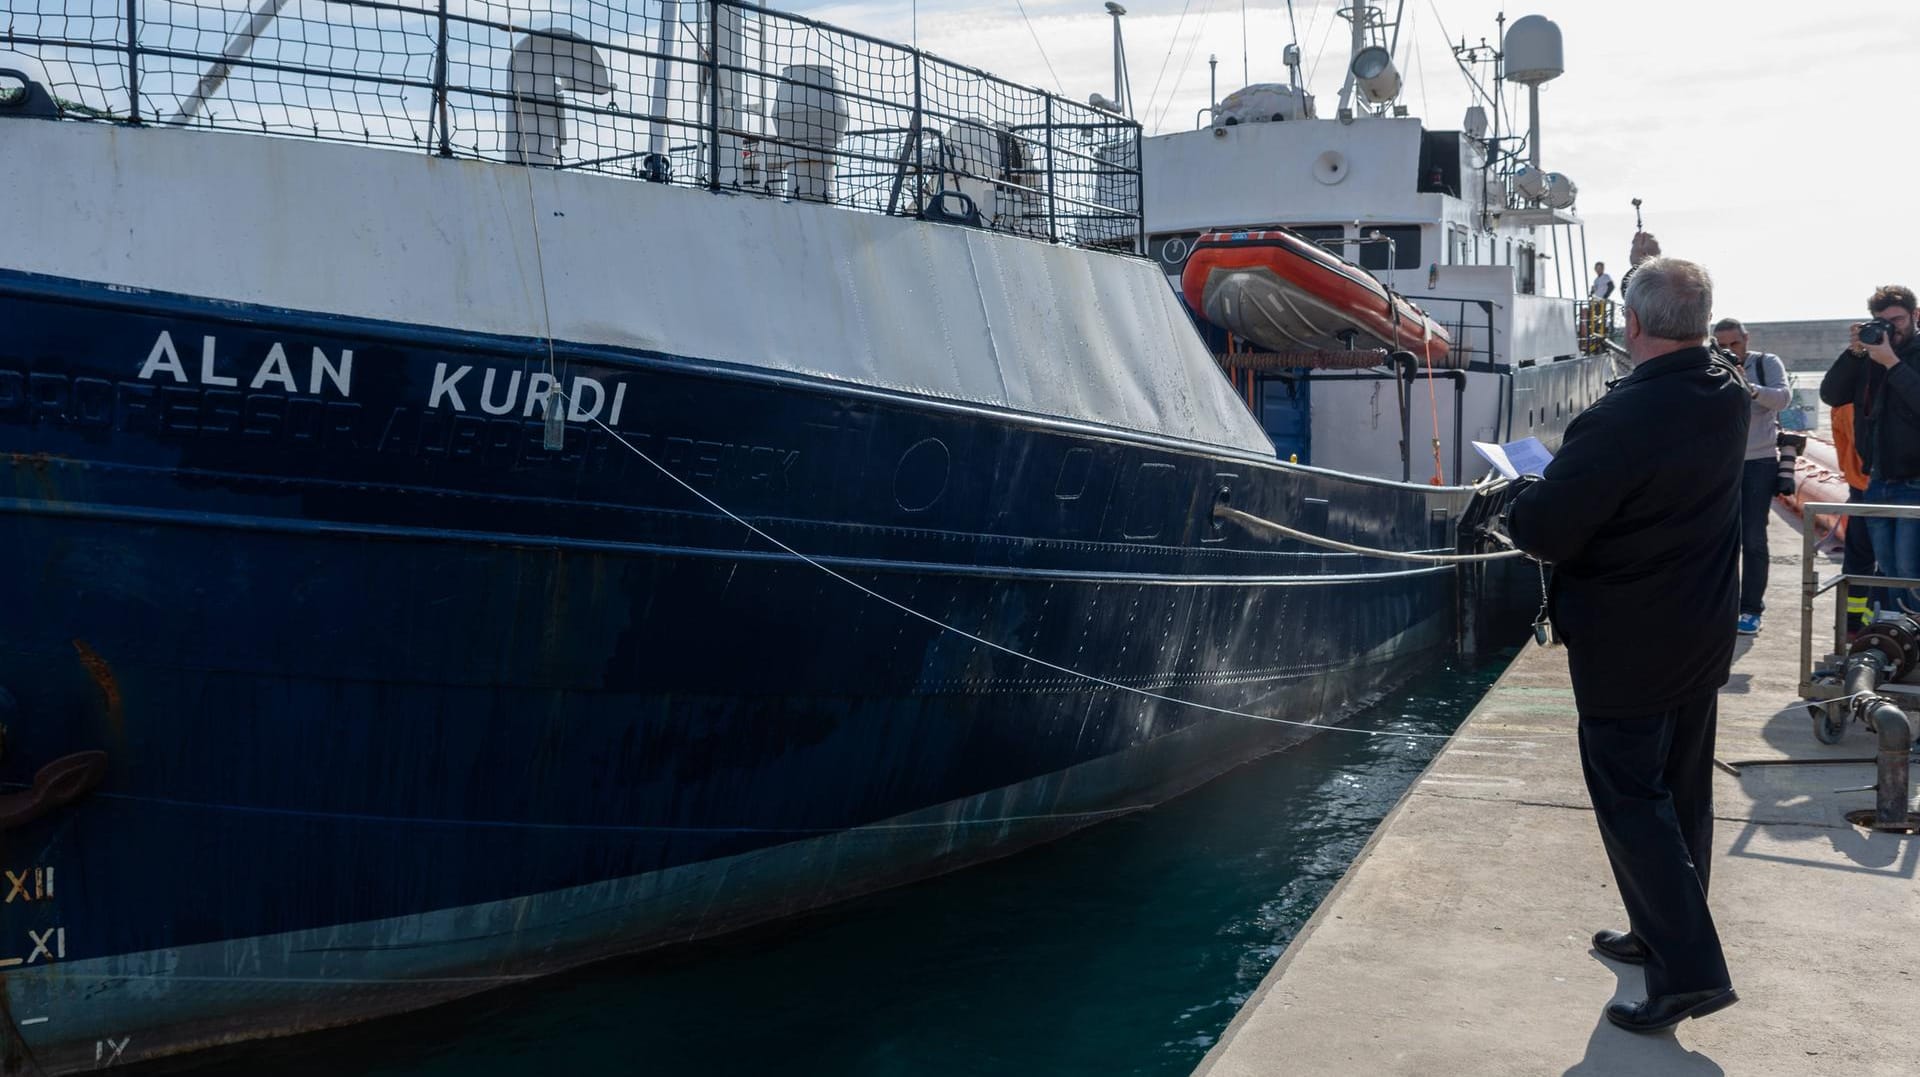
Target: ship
x=488, y=494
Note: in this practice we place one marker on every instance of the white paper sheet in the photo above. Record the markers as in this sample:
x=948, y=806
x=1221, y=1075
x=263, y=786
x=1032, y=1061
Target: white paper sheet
x=1516, y=458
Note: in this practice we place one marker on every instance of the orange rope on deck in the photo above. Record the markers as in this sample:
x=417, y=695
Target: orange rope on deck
x=1433, y=402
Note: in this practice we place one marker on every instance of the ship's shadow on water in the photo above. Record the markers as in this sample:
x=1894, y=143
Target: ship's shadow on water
x=1125, y=949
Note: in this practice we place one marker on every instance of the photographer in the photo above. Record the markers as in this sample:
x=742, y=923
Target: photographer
x=1879, y=374
x=1759, y=479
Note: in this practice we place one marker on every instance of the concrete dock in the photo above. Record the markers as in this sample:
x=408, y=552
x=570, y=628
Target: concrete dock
x=1457, y=943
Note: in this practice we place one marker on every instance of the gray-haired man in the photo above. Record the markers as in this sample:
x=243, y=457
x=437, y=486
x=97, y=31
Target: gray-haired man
x=1644, y=535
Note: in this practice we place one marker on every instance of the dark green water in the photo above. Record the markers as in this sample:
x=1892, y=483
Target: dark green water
x=1125, y=949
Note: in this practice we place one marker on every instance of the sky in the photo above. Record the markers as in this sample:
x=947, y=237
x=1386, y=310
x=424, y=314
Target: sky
x=1776, y=142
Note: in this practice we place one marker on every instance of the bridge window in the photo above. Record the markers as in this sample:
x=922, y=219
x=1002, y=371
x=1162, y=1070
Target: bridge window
x=1324, y=235
x=1405, y=249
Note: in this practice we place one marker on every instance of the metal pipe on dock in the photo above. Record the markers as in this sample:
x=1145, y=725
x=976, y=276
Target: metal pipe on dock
x=1890, y=772
x=1888, y=650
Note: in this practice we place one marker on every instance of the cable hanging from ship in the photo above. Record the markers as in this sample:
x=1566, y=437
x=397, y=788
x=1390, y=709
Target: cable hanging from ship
x=1258, y=523
x=1161, y=697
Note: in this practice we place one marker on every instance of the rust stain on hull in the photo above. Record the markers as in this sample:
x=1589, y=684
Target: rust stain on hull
x=36, y=473
x=103, y=679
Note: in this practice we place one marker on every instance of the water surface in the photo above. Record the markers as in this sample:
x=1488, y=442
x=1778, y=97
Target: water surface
x=1125, y=949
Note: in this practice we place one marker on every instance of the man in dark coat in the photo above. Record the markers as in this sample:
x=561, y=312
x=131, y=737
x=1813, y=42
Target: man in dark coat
x=1882, y=382
x=1639, y=515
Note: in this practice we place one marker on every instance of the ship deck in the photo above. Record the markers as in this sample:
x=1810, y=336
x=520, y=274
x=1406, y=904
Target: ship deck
x=1457, y=943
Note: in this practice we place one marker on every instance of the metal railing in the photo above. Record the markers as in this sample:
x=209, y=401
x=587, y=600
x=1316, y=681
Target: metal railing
x=1812, y=586
x=1594, y=324
x=719, y=93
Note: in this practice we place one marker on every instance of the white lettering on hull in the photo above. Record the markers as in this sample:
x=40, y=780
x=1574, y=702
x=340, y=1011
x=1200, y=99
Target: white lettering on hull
x=443, y=387
x=581, y=386
x=486, y=393
x=539, y=389
x=505, y=392
x=500, y=391
x=209, y=348
x=274, y=368
x=163, y=357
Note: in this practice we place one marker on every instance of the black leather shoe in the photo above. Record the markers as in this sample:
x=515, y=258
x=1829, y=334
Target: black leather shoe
x=1621, y=946
x=1665, y=1011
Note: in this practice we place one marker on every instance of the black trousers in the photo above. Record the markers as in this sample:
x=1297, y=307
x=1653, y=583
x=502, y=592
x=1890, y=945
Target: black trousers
x=1756, y=501
x=1651, y=780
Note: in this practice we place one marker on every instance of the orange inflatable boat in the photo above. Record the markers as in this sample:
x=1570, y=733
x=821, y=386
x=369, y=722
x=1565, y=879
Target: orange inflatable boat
x=1284, y=293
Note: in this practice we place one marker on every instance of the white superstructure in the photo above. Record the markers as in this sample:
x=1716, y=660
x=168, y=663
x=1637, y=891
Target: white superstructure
x=1441, y=216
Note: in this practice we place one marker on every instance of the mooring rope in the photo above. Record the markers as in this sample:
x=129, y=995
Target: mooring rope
x=1259, y=523
x=1433, y=405
x=1004, y=649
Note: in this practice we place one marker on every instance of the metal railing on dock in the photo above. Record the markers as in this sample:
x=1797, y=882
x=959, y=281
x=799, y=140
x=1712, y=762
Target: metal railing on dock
x=1812, y=586
x=725, y=95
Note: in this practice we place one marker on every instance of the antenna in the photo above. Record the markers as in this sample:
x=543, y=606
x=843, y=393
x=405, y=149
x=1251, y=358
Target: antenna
x=1470, y=57
x=1122, y=85
x=1246, y=77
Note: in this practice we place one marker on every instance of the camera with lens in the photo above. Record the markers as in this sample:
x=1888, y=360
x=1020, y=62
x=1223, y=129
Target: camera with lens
x=1790, y=447
x=1875, y=331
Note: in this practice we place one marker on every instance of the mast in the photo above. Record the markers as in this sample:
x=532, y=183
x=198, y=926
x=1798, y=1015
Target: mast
x=663, y=64
x=1122, y=85
x=238, y=46
x=1360, y=16
x=1499, y=86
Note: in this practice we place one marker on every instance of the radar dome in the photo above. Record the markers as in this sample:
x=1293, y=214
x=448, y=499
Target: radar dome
x=1561, y=191
x=1533, y=51
x=1264, y=102
x=1530, y=182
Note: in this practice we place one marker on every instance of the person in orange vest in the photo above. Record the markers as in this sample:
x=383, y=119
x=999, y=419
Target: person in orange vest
x=1856, y=558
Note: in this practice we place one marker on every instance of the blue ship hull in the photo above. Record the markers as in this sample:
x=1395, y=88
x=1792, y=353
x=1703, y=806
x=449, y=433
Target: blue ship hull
x=398, y=703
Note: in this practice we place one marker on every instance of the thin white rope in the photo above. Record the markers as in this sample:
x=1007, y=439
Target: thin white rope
x=1002, y=648
x=1325, y=36
x=1154, y=96
x=533, y=219
x=1246, y=69
x=1248, y=519
x=1186, y=62
x=1419, y=68
x=1057, y=84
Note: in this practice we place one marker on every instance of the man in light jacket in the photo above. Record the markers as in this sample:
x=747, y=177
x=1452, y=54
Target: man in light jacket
x=1767, y=385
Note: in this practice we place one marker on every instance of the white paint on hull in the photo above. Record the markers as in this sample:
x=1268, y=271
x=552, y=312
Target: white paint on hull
x=936, y=310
